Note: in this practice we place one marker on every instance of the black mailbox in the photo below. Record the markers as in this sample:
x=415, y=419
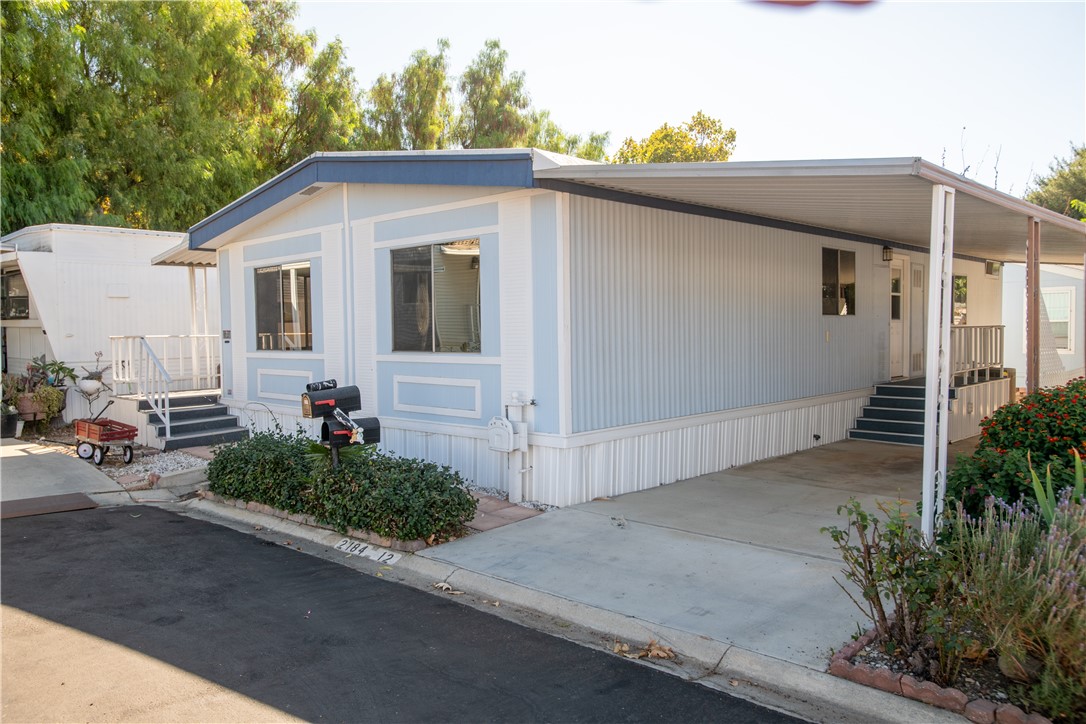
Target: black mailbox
x=338, y=434
x=324, y=403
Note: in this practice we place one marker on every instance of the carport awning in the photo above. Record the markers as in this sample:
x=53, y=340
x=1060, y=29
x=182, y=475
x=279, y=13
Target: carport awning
x=887, y=199
x=182, y=255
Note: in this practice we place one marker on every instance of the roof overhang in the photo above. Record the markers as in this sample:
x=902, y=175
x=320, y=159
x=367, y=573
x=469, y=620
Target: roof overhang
x=494, y=168
x=877, y=200
x=182, y=255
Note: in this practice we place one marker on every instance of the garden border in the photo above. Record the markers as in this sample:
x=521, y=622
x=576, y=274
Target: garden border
x=404, y=546
x=979, y=711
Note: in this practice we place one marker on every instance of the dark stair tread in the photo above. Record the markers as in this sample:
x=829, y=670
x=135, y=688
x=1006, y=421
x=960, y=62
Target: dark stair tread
x=888, y=437
x=211, y=437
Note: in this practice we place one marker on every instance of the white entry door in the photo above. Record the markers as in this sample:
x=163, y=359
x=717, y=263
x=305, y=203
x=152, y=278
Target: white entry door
x=899, y=313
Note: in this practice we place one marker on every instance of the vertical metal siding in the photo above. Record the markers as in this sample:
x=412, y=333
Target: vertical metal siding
x=677, y=315
x=640, y=461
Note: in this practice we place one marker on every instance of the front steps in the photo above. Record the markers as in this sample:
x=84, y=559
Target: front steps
x=195, y=419
x=894, y=414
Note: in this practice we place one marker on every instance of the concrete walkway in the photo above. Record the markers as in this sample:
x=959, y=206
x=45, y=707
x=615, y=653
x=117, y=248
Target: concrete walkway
x=32, y=471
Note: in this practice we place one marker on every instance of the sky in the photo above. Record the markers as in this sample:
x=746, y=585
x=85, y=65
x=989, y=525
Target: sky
x=994, y=89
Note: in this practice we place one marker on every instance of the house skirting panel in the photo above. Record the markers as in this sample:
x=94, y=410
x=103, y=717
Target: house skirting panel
x=663, y=453
x=569, y=470
x=974, y=403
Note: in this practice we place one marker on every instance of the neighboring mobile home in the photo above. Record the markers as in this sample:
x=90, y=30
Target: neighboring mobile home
x=1062, y=312
x=70, y=291
x=633, y=325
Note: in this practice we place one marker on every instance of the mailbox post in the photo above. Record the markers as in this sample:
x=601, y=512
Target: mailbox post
x=334, y=404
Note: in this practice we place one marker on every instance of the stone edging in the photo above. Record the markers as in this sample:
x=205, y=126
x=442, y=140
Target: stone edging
x=404, y=546
x=979, y=711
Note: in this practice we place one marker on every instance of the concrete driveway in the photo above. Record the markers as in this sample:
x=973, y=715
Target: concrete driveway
x=30, y=471
x=734, y=556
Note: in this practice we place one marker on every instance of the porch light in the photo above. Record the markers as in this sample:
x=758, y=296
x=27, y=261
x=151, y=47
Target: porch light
x=887, y=254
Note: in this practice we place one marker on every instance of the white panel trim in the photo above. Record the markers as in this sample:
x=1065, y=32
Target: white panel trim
x=565, y=356
x=238, y=323
x=288, y=235
x=450, y=206
x=476, y=413
x=261, y=373
x=450, y=358
x=441, y=237
x=679, y=423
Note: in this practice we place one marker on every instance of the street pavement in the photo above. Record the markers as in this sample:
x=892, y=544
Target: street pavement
x=135, y=613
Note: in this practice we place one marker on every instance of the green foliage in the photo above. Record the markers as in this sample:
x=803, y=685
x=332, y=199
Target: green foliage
x=1046, y=498
x=1066, y=181
x=390, y=496
x=1025, y=589
x=153, y=114
x=1048, y=425
x=702, y=138
x=269, y=467
x=494, y=103
x=546, y=134
x=394, y=497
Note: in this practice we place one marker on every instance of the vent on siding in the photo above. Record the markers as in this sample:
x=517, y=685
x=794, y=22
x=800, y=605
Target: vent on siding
x=918, y=360
x=918, y=278
x=310, y=190
x=992, y=268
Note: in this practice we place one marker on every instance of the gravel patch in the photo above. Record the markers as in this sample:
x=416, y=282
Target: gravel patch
x=167, y=462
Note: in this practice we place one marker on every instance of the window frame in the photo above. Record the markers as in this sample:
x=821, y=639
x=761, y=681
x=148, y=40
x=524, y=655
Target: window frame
x=840, y=298
x=1071, y=323
x=306, y=310
x=400, y=341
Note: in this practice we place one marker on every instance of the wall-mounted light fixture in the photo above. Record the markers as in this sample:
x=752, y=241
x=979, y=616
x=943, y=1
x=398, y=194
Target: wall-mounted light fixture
x=474, y=262
x=887, y=254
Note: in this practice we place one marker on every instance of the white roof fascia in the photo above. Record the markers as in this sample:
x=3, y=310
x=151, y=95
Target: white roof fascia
x=939, y=175
x=87, y=229
x=739, y=169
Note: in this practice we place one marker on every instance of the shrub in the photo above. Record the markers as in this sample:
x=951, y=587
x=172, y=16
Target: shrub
x=394, y=497
x=1027, y=590
x=1049, y=424
x=390, y=496
x=269, y=467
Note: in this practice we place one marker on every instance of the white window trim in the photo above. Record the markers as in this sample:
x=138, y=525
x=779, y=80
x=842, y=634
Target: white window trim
x=1072, y=325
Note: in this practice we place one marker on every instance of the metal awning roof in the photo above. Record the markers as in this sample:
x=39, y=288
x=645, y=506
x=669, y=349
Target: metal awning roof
x=887, y=199
x=182, y=255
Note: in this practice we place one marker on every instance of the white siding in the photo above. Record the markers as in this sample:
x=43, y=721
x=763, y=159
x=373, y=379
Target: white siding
x=677, y=315
x=973, y=404
x=643, y=457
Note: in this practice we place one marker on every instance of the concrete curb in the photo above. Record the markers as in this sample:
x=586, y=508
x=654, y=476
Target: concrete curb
x=765, y=680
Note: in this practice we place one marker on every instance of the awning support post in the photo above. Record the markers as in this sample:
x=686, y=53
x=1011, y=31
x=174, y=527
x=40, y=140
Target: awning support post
x=1033, y=305
x=936, y=407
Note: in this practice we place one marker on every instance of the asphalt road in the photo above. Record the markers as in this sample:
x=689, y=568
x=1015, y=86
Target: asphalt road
x=302, y=635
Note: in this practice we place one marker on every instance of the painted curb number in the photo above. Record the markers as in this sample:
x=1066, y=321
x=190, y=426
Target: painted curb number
x=356, y=548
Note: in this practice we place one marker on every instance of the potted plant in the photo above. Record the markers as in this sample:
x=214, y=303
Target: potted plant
x=9, y=422
x=91, y=383
x=59, y=374
x=38, y=401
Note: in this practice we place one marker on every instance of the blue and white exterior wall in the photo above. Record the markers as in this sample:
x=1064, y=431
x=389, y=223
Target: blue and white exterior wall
x=656, y=345
x=1058, y=365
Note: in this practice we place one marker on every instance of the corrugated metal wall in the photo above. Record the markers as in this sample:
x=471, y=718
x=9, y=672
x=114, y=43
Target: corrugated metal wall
x=565, y=476
x=677, y=315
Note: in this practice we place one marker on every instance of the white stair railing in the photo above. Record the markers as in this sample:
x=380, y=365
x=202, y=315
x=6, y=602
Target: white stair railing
x=154, y=365
x=976, y=353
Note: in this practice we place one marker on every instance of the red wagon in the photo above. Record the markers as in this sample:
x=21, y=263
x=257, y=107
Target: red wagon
x=95, y=435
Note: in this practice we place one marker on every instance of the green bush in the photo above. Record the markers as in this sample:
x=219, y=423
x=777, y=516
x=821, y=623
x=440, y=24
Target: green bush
x=270, y=467
x=1048, y=424
x=394, y=497
x=390, y=496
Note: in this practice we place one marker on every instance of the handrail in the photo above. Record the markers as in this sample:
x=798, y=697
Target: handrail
x=153, y=384
x=976, y=352
x=154, y=365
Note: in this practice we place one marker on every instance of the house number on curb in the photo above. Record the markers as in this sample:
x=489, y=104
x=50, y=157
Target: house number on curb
x=366, y=550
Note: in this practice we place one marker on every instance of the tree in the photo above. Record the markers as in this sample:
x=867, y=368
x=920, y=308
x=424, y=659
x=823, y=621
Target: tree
x=424, y=97
x=1066, y=180
x=546, y=134
x=154, y=114
x=702, y=138
x=493, y=104
x=42, y=168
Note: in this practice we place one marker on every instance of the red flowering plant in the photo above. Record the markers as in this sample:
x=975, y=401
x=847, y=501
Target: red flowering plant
x=1048, y=424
